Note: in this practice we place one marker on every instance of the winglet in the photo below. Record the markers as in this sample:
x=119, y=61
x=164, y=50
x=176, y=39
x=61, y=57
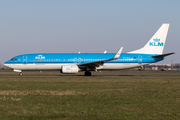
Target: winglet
x=118, y=53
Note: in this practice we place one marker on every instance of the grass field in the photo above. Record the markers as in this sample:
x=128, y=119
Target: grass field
x=96, y=97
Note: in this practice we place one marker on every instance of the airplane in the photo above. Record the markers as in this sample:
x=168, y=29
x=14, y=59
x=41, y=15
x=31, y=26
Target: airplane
x=69, y=63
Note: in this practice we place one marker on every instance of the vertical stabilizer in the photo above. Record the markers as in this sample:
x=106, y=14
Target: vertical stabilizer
x=156, y=44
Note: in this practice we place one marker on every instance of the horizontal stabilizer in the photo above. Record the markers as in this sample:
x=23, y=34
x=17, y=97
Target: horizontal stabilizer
x=163, y=55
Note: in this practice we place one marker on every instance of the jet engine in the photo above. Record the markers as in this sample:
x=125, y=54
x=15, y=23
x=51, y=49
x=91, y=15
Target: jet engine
x=69, y=69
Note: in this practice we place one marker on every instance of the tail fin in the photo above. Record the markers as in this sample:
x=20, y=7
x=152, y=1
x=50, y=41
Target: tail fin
x=156, y=44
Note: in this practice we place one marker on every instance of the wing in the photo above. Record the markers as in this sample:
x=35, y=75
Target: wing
x=93, y=65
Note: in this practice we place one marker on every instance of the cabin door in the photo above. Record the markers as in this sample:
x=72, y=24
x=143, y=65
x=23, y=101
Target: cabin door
x=25, y=59
x=139, y=59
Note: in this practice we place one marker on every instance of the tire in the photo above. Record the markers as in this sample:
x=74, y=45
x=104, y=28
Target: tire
x=21, y=74
x=87, y=73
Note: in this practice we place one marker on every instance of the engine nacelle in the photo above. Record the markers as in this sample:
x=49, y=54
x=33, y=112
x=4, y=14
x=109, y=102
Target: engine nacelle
x=70, y=69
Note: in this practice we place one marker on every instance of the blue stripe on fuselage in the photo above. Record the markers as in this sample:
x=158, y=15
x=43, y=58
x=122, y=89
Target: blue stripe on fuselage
x=82, y=58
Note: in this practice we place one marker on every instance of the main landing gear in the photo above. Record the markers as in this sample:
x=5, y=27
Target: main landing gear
x=21, y=74
x=87, y=73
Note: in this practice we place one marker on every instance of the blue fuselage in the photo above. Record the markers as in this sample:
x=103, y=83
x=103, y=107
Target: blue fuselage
x=81, y=58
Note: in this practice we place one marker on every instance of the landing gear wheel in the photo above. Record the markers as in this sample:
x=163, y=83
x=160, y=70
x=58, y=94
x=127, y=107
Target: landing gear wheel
x=21, y=74
x=87, y=73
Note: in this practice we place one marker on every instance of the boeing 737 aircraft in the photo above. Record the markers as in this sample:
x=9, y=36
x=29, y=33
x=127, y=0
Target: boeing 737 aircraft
x=75, y=62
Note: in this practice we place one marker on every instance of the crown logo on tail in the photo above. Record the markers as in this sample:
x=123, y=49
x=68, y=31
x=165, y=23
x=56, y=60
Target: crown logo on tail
x=156, y=40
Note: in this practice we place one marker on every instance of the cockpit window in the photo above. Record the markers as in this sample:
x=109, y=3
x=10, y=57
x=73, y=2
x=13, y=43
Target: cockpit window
x=13, y=59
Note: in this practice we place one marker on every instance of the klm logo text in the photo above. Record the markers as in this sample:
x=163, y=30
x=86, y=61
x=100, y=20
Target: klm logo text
x=40, y=57
x=156, y=43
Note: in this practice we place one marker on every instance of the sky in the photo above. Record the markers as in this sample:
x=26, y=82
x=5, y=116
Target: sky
x=88, y=26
